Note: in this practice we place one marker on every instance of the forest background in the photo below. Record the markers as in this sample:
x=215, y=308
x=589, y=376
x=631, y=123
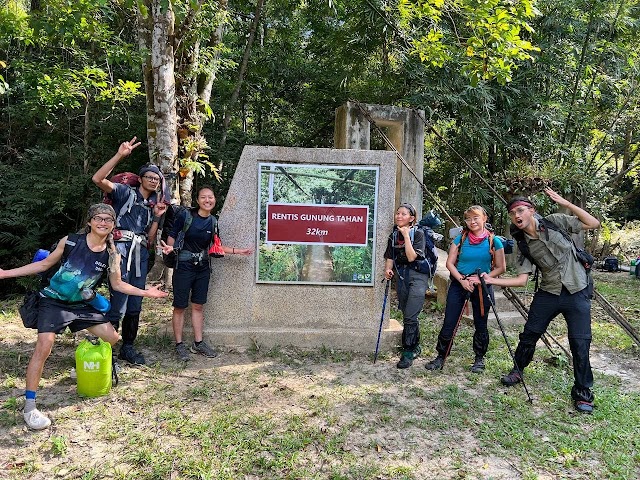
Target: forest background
x=531, y=93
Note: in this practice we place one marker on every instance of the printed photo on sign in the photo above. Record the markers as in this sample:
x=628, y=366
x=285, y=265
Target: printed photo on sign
x=316, y=224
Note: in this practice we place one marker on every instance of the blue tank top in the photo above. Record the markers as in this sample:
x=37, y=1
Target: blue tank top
x=477, y=256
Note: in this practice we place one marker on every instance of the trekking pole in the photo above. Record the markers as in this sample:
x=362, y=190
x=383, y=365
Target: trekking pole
x=384, y=305
x=455, y=330
x=504, y=335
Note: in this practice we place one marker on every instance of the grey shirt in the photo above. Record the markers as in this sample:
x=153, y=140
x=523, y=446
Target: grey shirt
x=556, y=256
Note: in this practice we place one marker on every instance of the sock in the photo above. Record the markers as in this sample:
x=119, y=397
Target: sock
x=30, y=403
x=197, y=344
x=178, y=343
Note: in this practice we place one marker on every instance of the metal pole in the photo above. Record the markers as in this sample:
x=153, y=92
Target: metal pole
x=384, y=305
x=504, y=335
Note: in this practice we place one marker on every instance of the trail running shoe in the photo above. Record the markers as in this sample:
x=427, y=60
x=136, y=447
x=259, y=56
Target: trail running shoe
x=36, y=420
x=583, y=407
x=478, y=365
x=203, y=349
x=512, y=378
x=129, y=354
x=435, y=364
x=183, y=352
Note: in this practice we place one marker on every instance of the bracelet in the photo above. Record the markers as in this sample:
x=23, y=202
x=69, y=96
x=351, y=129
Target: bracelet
x=234, y=250
x=156, y=219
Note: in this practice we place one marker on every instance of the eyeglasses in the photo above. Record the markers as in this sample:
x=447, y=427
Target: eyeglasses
x=99, y=219
x=151, y=179
x=518, y=211
x=476, y=219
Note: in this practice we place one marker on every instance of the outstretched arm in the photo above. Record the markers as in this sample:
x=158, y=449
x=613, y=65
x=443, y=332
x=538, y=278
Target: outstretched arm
x=36, y=267
x=237, y=251
x=518, y=281
x=115, y=278
x=100, y=177
x=588, y=221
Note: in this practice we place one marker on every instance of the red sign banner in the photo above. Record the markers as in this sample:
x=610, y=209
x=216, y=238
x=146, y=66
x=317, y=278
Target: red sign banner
x=317, y=224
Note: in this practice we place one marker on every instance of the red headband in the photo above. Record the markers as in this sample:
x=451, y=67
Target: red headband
x=520, y=203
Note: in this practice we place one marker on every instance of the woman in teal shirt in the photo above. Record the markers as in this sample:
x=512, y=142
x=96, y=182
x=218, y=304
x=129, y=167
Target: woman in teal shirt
x=475, y=248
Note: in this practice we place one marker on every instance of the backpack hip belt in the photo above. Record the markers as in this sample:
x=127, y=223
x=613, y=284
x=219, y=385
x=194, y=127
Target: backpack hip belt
x=134, y=250
x=195, y=258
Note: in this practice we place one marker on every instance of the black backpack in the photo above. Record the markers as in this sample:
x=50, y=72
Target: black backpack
x=429, y=263
x=584, y=257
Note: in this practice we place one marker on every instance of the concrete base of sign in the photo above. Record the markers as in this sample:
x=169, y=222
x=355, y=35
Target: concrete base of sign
x=242, y=312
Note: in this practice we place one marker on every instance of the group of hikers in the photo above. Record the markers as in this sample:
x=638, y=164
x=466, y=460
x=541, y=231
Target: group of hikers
x=117, y=239
x=476, y=257
x=116, y=242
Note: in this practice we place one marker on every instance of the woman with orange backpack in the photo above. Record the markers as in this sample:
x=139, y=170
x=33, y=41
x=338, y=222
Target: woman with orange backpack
x=476, y=248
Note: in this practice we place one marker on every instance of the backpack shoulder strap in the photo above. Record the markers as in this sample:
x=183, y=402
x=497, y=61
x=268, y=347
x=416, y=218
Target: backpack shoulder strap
x=72, y=241
x=492, y=248
x=463, y=237
x=187, y=221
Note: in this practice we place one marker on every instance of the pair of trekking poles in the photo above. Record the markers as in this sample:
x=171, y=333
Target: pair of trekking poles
x=485, y=289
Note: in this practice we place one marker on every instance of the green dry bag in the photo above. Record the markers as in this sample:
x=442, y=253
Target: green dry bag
x=93, y=368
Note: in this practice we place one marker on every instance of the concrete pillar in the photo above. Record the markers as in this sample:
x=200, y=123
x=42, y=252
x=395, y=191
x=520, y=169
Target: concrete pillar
x=405, y=130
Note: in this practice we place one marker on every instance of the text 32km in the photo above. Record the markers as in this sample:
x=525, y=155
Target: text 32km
x=317, y=232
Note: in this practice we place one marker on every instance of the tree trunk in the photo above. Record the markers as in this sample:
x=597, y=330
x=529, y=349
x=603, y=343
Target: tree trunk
x=155, y=36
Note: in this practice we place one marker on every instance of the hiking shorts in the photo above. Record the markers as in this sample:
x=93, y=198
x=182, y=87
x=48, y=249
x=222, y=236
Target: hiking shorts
x=54, y=316
x=190, y=278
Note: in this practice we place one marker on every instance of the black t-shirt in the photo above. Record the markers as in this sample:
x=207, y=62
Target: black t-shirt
x=395, y=246
x=200, y=233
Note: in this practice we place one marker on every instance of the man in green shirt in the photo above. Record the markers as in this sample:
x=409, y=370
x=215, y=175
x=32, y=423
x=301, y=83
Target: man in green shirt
x=565, y=288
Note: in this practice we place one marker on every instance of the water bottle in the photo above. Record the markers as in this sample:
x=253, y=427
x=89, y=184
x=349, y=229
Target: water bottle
x=96, y=300
x=41, y=254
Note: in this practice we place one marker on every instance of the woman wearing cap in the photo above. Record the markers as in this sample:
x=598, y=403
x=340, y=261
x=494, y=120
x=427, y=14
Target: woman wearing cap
x=61, y=304
x=474, y=249
x=404, y=246
x=194, y=228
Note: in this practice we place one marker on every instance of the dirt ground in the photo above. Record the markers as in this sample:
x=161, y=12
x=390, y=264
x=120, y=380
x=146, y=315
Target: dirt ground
x=335, y=387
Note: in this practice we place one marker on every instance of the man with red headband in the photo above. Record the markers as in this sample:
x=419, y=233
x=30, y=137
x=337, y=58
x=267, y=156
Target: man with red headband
x=566, y=288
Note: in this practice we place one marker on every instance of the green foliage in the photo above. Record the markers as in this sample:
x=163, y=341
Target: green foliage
x=482, y=36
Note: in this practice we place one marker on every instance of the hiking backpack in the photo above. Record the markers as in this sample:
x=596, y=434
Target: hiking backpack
x=584, y=257
x=429, y=263
x=133, y=181
x=171, y=259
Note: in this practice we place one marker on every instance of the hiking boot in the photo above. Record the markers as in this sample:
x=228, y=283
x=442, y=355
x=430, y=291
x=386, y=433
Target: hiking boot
x=406, y=360
x=203, y=349
x=183, y=352
x=512, y=378
x=36, y=420
x=478, y=365
x=583, y=407
x=435, y=364
x=129, y=354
